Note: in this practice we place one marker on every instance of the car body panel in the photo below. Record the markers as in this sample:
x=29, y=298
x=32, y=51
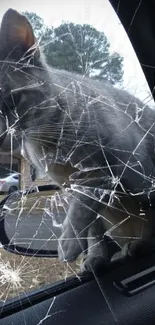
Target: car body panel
x=8, y=182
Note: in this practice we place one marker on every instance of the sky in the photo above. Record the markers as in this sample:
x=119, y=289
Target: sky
x=99, y=14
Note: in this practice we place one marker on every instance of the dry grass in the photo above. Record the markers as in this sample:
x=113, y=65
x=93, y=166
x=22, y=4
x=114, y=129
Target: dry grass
x=2, y=197
x=20, y=274
x=23, y=274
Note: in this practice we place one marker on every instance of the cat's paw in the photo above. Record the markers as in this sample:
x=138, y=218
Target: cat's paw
x=135, y=249
x=122, y=254
x=93, y=264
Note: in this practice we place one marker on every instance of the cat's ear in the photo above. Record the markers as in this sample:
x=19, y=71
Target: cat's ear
x=16, y=29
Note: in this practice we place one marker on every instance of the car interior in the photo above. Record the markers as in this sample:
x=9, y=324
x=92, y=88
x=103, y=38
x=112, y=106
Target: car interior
x=123, y=293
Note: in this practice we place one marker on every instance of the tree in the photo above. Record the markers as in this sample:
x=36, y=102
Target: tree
x=78, y=48
x=112, y=71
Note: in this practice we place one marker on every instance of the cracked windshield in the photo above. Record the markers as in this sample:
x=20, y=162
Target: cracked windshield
x=76, y=115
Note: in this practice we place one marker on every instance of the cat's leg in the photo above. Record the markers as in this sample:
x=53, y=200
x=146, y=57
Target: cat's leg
x=135, y=249
x=82, y=212
x=97, y=253
x=71, y=243
x=101, y=247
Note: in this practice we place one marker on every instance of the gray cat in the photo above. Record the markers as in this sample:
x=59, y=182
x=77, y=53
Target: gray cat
x=93, y=140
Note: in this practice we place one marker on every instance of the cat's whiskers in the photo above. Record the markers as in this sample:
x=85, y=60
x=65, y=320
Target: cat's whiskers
x=42, y=141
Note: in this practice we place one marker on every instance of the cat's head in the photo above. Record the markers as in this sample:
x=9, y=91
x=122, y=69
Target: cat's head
x=24, y=78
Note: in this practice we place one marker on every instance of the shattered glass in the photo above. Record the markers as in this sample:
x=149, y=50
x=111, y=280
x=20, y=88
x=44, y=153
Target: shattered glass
x=34, y=220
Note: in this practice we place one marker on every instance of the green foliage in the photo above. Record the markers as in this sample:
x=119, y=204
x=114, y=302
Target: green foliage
x=78, y=48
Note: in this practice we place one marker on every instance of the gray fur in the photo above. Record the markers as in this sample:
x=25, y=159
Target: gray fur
x=92, y=136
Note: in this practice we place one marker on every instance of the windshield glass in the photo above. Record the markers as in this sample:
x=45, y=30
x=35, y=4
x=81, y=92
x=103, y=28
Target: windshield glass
x=79, y=115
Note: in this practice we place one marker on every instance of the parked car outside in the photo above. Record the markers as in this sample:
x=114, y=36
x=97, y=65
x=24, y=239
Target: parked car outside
x=9, y=184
